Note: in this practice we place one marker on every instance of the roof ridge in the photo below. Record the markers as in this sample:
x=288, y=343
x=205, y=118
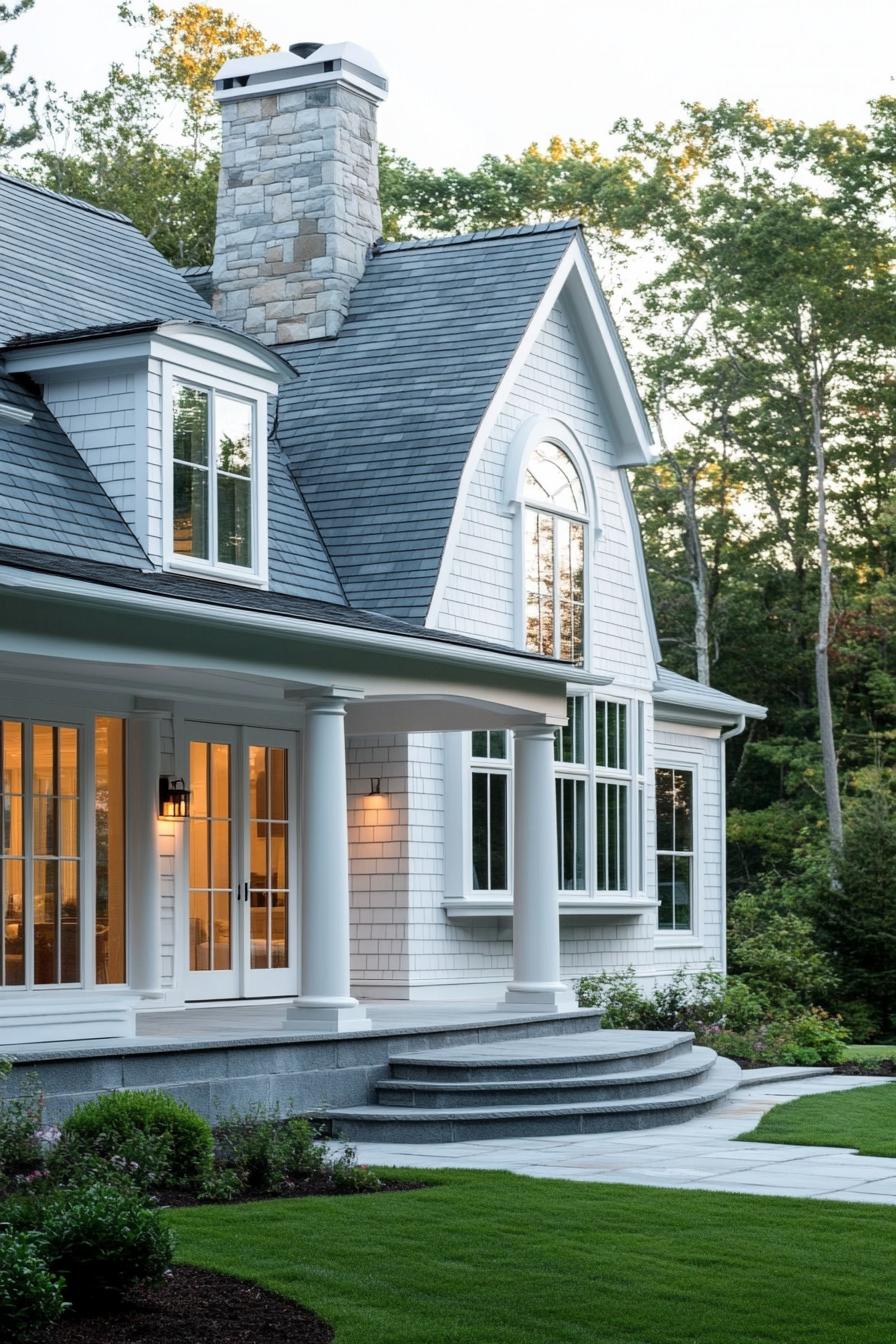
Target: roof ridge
x=73, y=201
x=479, y=235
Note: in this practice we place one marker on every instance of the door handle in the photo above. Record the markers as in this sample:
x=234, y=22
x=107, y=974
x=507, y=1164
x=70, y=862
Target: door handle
x=245, y=891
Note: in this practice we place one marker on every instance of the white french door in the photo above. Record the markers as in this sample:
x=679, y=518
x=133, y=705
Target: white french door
x=242, y=938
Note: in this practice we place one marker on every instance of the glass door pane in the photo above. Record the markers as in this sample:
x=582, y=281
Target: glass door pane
x=56, y=849
x=269, y=859
x=12, y=849
x=210, y=865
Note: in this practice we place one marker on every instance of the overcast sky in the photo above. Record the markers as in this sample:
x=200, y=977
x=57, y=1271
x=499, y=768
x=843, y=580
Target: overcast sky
x=476, y=76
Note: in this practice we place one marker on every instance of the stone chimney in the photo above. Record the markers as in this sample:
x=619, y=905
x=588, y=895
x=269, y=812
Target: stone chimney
x=298, y=197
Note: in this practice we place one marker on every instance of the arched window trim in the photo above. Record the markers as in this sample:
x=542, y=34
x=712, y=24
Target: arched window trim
x=537, y=430
x=546, y=429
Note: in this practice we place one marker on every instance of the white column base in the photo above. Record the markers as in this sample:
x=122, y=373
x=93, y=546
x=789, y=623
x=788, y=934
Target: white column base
x=322, y=1015
x=556, y=998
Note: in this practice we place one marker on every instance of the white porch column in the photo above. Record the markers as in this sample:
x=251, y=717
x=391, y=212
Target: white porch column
x=536, y=980
x=325, y=1002
x=144, y=764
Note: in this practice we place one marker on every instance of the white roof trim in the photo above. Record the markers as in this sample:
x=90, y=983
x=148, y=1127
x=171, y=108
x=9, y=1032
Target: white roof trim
x=629, y=428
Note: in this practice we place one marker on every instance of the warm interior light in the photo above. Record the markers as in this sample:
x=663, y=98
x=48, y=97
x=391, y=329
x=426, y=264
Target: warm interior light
x=174, y=798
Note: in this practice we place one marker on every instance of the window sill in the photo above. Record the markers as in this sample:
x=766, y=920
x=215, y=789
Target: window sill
x=668, y=938
x=215, y=575
x=571, y=907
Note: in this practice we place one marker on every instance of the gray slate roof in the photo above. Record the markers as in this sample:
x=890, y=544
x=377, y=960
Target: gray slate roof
x=49, y=498
x=379, y=425
x=212, y=592
x=65, y=264
x=673, y=689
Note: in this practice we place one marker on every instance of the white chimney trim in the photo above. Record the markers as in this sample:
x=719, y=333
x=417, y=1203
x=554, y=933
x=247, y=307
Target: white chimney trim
x=276, y=70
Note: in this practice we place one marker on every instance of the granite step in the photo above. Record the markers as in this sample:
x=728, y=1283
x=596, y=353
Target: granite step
x=397, y=1124
x=585, y=1055
x=681, y=1072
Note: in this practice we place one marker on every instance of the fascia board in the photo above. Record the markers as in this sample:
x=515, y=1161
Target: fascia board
x=682, y=710
x=320, y=632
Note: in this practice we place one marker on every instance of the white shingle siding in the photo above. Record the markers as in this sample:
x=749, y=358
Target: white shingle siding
x=99, y=415
x=441, y=957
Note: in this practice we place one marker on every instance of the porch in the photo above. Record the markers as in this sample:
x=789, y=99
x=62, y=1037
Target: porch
x=223, y=1056
x=113, y=907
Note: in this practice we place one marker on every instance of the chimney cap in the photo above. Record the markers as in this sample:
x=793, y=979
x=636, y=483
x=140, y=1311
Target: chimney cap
x=273, y=71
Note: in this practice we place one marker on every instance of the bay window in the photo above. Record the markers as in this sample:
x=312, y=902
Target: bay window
x=675, y=848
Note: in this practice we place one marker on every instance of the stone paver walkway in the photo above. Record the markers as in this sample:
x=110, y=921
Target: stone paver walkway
x=698, y=1155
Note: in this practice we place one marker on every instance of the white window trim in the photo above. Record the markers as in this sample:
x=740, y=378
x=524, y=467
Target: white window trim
x=28, y=708
x=459, y=766
x=257, y=576
x=547, y=429
x=681, y=759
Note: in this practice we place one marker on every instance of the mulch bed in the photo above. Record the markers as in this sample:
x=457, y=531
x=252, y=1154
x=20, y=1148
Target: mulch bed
x=879, y=1068
x=183, y=1199
x=198, y=1306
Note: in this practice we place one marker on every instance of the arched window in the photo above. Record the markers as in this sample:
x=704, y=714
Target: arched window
x=556, y=516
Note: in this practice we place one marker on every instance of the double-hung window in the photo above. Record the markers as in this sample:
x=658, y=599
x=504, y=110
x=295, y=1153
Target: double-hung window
x=490, y=813
x=572, y=805
x=214, y=480
x=675, y=848
x=611, y=811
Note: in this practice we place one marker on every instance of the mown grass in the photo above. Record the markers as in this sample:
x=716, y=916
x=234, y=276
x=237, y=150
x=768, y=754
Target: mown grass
x=863, y=1118
x=870, y=1054
x=491, y=1258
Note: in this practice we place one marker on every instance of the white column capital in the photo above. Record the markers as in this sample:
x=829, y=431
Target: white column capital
x=535, y=732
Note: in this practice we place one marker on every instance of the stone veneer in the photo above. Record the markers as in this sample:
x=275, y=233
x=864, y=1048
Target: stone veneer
x=298, y=209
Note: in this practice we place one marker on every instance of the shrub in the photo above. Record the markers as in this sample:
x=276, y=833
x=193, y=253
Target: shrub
x=30, y=1294
x=21, y=1151
x=687, y=1002
x=159, y=1140
x=267, y=1151
x=102, y=1239
x=348, y=1176
x=811, y=1038
x=220, y=1187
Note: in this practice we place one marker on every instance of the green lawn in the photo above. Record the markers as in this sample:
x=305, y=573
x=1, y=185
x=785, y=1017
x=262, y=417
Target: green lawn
x=870, y=1054
x=862, y=1118
x=490, y=1258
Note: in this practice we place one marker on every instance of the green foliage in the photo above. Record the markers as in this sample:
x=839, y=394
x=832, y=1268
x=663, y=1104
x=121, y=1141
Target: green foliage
x=775, y=949
x=856, y=914
x=160, y=1141
x=102, y=1239
x=21, y=96
x=267, y=1151
x=31, y=1295
x=20, y=1146
x=698, y=1003
x=349, y=1177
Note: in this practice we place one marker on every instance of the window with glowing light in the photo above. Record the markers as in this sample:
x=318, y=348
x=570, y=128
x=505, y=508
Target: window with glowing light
x=555, y=525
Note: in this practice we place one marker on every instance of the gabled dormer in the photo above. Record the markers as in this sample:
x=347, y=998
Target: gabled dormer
x=171, y=418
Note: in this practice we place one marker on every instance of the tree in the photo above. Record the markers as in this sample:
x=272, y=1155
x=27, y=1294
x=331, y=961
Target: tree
x=22, y=95
x=147, y=143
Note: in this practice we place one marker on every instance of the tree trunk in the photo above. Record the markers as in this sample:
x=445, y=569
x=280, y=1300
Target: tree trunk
x=822, y=642
x=693, y=545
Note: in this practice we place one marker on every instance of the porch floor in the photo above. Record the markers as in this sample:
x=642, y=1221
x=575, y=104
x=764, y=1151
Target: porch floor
x=201, y=1026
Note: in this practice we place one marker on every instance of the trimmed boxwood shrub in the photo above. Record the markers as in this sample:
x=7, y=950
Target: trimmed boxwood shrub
x=102, y=1239
x=31, y=1295
x=159, y=1140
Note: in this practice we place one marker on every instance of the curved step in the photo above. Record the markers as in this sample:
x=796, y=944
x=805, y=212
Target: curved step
x=677, y=1074
x=386, y=1124
x=586, y=1054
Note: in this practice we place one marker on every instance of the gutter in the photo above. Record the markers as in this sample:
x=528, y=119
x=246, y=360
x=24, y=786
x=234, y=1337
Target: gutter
x=723, y=857
x=322, y=632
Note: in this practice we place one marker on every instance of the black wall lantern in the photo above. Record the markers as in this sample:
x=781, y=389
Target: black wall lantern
x=375, y=790
x=174, y=798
